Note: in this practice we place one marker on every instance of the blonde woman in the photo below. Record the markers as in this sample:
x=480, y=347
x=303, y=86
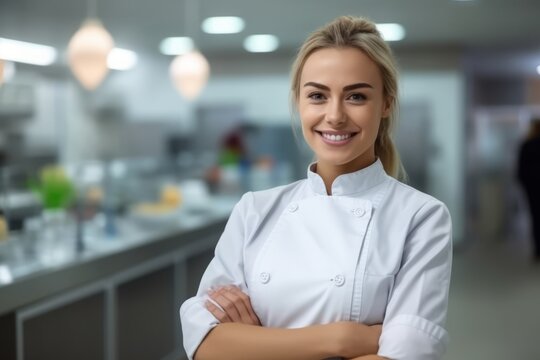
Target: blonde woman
x=347, y=263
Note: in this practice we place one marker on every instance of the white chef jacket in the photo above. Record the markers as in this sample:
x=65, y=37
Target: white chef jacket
x=376, y=251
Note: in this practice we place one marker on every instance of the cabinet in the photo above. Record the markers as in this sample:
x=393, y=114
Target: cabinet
x=146, y=316
x=131, y=313
x=71, y=331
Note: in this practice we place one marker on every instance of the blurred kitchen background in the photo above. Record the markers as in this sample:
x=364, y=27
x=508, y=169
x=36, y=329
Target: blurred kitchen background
x=107, y=187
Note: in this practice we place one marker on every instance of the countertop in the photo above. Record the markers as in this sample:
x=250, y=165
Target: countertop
x=28, y=273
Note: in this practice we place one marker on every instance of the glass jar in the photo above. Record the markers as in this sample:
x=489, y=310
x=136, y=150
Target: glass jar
x=57, y=243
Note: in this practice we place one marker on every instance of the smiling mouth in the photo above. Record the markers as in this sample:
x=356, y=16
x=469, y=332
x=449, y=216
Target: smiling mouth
x=340, y=138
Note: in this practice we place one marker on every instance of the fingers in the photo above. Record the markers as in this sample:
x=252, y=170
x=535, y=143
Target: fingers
x=229, y=304
x=235, y=306
x=217, y=312
x=245, y=308
x=247, y=304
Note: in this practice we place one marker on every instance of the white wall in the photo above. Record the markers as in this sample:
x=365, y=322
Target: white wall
x=265, y=97
x=444, y=91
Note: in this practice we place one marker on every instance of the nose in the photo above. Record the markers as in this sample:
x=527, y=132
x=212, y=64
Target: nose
x=334, y=113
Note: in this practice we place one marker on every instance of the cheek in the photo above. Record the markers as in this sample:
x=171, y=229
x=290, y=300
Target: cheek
x=306, y=129
x=369, y=125
x=368, y=119
x=372, y=128
x=308, y=117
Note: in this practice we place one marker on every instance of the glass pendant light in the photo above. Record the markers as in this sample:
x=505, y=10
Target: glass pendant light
x=190, y=71
x=88, y=50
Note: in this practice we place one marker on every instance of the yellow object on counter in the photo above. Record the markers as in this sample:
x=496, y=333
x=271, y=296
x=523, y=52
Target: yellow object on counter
x=169, y=202
x=94, y=194
x=171, y=195
x=154, y=208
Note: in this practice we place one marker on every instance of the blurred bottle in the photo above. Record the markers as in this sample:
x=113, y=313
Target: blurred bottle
x=4, y=231
x=233, y=163
x=262, y=173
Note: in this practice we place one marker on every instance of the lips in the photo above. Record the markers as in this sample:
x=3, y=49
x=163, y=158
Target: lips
x=336, y=137
x=332, y=137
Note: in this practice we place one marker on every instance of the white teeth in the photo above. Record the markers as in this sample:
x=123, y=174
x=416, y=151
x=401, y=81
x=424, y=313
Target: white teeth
x=336, y=137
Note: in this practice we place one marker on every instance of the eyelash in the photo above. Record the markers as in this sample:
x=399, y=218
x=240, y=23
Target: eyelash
x=361, y=97
x=319, y=97
x=316, y=96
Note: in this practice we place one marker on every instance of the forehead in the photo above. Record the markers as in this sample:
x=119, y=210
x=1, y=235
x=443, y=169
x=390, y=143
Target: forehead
x=340, y=65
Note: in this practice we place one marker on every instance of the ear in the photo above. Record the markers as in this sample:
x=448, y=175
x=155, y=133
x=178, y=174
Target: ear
x=386, y=108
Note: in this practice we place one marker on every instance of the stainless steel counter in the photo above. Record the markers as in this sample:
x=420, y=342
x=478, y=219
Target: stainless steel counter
x=27, y=274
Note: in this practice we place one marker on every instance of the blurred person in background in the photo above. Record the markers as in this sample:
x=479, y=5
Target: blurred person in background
x=347, y=263
x=529, y=177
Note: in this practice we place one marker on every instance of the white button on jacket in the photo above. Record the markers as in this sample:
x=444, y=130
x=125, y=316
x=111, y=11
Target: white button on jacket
x=264, y=277
x=376, y=251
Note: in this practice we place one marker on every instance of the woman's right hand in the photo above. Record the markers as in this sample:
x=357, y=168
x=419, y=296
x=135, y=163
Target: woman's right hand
x=354, y=339
x=234, y=306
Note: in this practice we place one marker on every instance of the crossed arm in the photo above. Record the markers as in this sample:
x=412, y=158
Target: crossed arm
x=241, y=336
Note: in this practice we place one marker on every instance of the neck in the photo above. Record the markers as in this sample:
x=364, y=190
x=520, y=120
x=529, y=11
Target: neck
x=329, y=172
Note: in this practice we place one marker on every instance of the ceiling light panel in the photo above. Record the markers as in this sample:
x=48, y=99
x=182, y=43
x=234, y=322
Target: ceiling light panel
x=26, y=52
x=176, y=45
x=121, y=59
x=223, y=25
x=261, y=43
x=391, y=32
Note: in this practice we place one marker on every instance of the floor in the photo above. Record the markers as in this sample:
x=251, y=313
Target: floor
x=494, y=309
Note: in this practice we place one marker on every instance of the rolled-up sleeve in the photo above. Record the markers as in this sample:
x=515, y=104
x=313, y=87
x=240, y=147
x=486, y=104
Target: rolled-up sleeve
x=226, y=268
x=413, y=327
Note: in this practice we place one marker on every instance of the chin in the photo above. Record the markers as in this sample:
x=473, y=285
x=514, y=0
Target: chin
x=352, y=161
x=335, y=161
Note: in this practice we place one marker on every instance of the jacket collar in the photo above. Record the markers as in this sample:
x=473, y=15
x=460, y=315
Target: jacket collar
x=348, y=184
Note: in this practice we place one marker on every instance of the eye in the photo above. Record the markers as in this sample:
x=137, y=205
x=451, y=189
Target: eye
x=316, y=97
x=357, y=97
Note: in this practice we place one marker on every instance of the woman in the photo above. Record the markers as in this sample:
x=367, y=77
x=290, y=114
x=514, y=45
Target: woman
x=347, y=263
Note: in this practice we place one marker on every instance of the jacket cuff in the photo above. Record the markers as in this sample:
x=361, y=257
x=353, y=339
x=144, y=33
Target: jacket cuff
x=196, y=326
x=410, y=337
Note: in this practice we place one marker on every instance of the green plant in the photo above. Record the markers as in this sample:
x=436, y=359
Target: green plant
x=54, y=188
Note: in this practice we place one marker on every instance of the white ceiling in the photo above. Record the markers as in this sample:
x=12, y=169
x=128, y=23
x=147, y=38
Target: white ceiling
x=141, y=24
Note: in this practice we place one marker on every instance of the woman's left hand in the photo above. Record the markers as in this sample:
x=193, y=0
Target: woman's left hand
x=235, y=306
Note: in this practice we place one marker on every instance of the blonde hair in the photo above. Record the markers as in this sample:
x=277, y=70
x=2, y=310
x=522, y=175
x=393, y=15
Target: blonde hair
x=360, y=33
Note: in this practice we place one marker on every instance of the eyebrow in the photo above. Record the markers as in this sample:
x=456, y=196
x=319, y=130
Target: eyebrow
x=345, y=88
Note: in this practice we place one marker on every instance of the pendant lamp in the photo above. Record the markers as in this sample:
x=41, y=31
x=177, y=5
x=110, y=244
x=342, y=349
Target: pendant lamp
x=190, y=72
x=88, y=50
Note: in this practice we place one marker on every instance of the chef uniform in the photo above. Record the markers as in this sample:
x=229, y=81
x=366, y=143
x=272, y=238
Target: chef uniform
x=377, y=252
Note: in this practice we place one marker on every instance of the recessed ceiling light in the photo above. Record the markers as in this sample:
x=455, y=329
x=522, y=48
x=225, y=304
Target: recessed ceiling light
x=261, y=43
x=176, y=45
x=26, y=52
x=391, y=32
x=223, y=25
x=121, y=59
x=538, y=69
